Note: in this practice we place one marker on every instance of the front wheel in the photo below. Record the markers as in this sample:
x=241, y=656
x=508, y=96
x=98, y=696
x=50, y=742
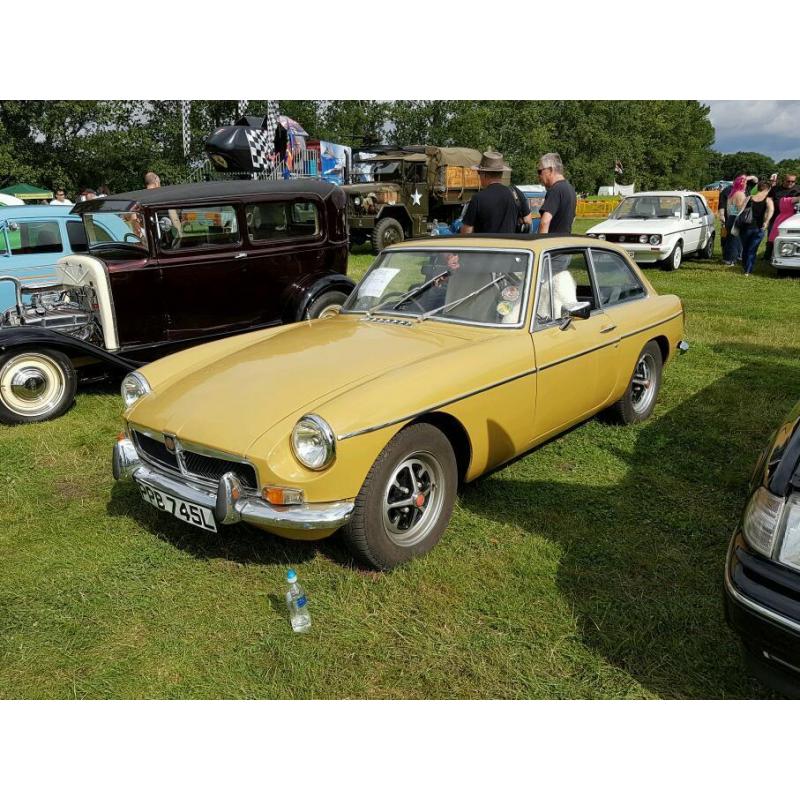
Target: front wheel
x=386, y=231
x=328, y=304
x=673, y=261
x=639, y=399
x=407, y=498
x=35, y=385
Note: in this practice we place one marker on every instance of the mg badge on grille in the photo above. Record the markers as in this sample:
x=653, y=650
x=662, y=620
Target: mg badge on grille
x=169, y=442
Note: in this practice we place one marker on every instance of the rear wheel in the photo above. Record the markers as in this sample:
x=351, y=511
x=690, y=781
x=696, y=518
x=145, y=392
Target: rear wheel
x=407, y=498
x=640, y=397
x=328, y=304
x=707, y=252
x=35, y=385
x=387, y=231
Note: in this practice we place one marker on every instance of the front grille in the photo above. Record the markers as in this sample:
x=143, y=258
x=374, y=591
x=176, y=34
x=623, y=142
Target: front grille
x=155, y=450
x=212, y=469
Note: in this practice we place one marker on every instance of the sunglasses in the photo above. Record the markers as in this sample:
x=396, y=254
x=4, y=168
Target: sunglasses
x=542, y=169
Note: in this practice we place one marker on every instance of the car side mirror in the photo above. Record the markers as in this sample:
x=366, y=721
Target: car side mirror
x=575, y=311
x=694, y=215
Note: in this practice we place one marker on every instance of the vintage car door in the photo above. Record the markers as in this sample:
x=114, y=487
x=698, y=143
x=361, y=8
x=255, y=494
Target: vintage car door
x=284, y=241
x=693, y=225
x=203, y=269
x=577, y=363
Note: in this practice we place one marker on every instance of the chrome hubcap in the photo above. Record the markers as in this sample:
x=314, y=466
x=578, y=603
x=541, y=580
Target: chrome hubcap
x=413, y=499
x=330, y=311
x=643, y=384
x=31, y=384
x=676, y=258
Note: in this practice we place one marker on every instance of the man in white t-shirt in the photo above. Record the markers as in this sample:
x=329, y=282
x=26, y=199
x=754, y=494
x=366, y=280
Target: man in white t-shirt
x=61, y=199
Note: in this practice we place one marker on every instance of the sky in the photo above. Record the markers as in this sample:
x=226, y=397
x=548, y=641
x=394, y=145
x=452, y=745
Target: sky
x=771, y=127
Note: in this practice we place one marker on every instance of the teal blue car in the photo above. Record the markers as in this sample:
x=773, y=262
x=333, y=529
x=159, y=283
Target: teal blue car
x=32, y=239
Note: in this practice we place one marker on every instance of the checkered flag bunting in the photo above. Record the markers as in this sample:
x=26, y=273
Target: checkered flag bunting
x=261, y=147
x=185, y=129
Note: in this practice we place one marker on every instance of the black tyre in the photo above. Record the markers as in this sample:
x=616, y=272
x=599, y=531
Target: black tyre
x=327, y=304
x=407, y=498
x=387, y=231
x=707, y=252
x=640, y=397
x=674, y=259
x=35, y=385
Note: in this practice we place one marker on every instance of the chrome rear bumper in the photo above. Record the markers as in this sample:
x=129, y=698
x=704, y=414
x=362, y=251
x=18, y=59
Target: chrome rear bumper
x=229, y=503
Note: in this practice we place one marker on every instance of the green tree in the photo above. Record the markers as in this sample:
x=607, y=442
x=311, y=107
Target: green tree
x=746, y=163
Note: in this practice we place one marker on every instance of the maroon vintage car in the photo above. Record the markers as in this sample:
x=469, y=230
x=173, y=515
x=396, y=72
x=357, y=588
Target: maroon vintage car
x=166, y=269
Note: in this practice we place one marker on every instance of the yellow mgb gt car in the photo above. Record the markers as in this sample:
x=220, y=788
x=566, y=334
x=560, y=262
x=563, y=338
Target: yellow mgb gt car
x=451, y=356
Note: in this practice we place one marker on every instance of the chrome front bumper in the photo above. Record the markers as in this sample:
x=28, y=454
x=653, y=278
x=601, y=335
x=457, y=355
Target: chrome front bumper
x=229, y=503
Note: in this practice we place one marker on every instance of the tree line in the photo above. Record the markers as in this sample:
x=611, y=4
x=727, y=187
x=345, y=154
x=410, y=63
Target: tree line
x=661, y=144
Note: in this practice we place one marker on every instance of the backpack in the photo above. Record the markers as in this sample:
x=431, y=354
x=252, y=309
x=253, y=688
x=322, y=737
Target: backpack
x=521, y=227
x=744, y=219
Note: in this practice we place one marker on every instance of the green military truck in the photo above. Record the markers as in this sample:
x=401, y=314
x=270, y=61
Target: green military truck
x=399, y=193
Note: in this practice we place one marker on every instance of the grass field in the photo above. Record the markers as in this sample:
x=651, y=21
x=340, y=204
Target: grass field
x=590, y=568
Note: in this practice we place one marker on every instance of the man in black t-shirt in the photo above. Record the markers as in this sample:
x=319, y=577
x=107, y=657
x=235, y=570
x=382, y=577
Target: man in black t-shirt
x=495, y=209
x=558, y=210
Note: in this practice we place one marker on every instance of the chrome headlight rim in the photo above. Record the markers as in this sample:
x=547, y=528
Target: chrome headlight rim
x=786, y=249
x=655, y=238
x=643, y=238
x=140, y=382
x=328, y=437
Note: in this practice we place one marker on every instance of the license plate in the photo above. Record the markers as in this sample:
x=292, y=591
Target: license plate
x=188, y=512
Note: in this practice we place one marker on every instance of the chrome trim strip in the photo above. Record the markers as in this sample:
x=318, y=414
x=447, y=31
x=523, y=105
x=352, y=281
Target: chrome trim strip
x=762, y=611
x=427, y=410
x=649, y=327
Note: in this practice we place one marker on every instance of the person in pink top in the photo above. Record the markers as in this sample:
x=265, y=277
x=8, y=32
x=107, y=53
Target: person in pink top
x=785, y=210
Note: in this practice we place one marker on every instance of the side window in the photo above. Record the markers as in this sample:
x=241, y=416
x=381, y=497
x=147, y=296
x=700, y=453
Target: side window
x=76, y=234
x=563, y=281
x=616, y=283
x=691, y=207
x=183, y=228
x=281, y=220
x=700, y=203
x=35, y=237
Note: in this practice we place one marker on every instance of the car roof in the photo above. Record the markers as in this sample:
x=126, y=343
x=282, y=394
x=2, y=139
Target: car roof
x=210, y=190
x=670, y=193
x=510, y=241
x=15, y=212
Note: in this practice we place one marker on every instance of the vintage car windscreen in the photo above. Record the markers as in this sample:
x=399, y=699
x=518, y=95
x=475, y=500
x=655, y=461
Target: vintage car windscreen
x=648, y=207
x=107, y=228
x=474, y=287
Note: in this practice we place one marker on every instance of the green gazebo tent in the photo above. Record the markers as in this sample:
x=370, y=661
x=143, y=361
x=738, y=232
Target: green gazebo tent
x=27, y=192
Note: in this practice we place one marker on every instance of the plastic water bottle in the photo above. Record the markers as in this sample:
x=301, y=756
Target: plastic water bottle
x=297, y=602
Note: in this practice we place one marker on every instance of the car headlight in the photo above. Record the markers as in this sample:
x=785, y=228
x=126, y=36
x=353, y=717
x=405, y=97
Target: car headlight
x=313, y=442
x=790, y=549
x=356, y=201
x=643, y=239
x=134, y=386
x=786, y=249
x=601, y=236
x=655, y=239
x=760, y=520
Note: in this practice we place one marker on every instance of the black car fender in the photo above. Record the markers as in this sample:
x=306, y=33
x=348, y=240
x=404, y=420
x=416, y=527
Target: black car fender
x=303, y=292
x=33, y=336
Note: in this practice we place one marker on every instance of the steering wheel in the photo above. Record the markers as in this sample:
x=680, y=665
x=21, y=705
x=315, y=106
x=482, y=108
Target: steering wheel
x=413, y=300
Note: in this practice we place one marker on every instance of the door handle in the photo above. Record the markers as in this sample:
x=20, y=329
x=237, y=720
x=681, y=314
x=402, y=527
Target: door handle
x=240, y=255
x=608, y=329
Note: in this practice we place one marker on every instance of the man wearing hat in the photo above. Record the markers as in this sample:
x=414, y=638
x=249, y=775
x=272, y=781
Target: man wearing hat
x=496, y=208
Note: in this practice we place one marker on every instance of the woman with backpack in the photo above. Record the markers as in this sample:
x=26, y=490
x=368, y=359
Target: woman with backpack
x=753, y=225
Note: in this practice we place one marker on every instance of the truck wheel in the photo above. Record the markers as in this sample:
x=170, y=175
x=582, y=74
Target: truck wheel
x=35, y=385
x=407, y=498
x=327, y=304
x=387, y=231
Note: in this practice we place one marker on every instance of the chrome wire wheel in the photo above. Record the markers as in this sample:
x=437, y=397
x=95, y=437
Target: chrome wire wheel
x=644, y=383
x=330, y=311
x=413, y=499
x=32, y=384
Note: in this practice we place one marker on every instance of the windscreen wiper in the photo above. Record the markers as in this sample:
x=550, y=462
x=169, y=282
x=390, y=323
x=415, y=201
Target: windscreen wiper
x=409, y=294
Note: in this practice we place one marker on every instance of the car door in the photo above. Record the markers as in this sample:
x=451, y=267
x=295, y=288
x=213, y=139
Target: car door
x=693, y=225
x=575, y=358
x=203, y=271
x=706, y=221
x=284, y=242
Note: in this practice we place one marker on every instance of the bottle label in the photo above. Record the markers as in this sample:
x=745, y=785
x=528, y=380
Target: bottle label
x=301, y=601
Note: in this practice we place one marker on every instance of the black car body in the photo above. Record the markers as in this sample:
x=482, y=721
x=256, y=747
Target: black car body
x=762, y=570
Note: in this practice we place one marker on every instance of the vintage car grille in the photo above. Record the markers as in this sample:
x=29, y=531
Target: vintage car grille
x=196, y=465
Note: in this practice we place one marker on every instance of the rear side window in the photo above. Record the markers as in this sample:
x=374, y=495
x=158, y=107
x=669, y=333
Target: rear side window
x=35, y=237
x=192, y=228
x=616, y=283
x=281, y=220
x=76, y=234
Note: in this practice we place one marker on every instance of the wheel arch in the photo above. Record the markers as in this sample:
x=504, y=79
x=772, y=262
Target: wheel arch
x=456, y=434
x=663, y=346
x=400, y=214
